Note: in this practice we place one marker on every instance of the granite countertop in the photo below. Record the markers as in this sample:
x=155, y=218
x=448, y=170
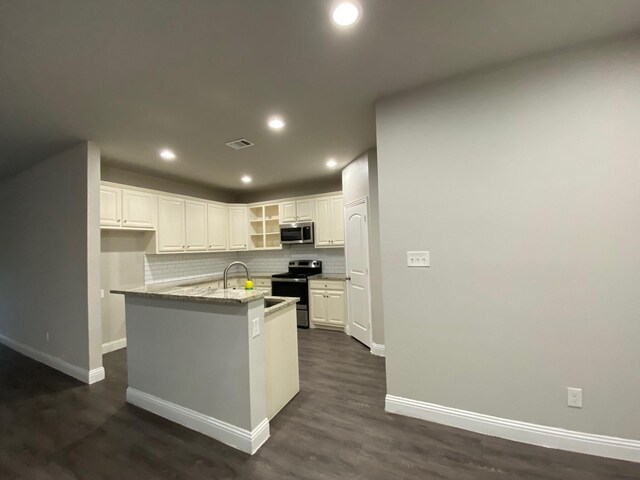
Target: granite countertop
x=329, y=276
x=279, y=306
x=201, y=292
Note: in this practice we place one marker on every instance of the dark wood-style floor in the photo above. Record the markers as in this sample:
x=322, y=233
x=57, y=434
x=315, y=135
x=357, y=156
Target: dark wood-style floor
x=53, y=427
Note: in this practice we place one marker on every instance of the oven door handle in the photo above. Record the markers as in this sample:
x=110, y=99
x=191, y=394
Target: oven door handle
x=288, y=280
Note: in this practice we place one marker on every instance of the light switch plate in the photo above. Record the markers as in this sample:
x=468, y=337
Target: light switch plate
x=102, y=293
x=418, y=259
x=574, y=397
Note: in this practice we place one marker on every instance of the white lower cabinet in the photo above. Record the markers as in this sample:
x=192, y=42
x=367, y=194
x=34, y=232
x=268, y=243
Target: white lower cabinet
x=327, y=304
x=171, y=225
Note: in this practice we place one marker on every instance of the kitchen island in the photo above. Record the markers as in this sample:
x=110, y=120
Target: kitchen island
x=214, y=360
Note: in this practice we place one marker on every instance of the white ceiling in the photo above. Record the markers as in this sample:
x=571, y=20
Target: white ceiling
x=137, y=75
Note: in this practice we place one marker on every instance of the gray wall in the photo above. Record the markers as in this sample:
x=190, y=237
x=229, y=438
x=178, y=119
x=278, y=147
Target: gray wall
x=359, y=180
x=524, y=183
x=116, y=174
x=49, y=280
x=312, y=187
x=121, y=264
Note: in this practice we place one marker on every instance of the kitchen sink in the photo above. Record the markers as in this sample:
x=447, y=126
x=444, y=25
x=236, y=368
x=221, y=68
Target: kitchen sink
x=270, y=302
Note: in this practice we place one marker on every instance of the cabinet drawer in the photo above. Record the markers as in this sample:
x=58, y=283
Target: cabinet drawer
x=326, y=285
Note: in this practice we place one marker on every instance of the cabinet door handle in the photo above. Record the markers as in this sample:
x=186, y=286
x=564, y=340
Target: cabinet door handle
x=125, y=221
x=118, y=220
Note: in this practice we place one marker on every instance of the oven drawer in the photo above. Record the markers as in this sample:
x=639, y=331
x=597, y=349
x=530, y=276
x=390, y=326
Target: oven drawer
x=291, y=289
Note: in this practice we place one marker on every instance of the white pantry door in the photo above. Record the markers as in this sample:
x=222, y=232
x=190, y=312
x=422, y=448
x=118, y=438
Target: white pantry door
x=357, y=257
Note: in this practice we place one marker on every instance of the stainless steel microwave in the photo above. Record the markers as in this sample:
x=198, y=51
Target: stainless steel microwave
x=292, y=233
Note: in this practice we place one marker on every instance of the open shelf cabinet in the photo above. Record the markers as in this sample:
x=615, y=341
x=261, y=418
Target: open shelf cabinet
x=264, y=227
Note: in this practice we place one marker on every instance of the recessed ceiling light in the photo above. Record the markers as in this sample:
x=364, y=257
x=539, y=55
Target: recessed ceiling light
x=167, y=154
x=276, y=123
x=331, y=163
x=246, y=179
x=345, y=14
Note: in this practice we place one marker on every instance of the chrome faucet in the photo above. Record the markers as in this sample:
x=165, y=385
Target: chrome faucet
x=226, y=271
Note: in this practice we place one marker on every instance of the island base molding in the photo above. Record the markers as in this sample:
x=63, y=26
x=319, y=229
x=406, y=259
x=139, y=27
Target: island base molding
x=114, y=345
x=79, y=373
x=236, y=437
x=550, y=437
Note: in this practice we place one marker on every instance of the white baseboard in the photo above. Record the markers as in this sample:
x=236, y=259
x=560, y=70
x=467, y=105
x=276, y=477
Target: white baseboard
x=244, y=440
x=96, y=375
x=113, y=346
x=57, y=363
x=377, y=349
x=550, y=437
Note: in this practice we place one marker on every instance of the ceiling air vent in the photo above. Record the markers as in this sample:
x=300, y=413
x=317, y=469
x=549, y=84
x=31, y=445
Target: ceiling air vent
x=240, y=143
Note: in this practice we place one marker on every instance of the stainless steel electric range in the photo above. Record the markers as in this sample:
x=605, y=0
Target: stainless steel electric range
x=294, y=283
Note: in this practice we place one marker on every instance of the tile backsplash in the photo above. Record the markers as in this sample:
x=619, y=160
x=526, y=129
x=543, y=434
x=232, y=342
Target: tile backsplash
x=163, y=268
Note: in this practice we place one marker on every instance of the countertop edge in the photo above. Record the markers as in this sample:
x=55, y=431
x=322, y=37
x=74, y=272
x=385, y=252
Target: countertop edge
x=257, y=295
x=288, y=302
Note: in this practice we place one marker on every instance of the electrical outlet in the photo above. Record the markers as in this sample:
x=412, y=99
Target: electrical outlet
x=574, y=397
x=418, y=259
x=102, y=293
x=256, y=327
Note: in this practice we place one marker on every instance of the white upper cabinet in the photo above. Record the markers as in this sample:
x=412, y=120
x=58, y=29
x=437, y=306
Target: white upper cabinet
x=238, y=228
x=185, y=224
x=217, y=227
x=323, y=222
x=195, y=226
x=123, y=208
x=305, y=210
x=337, y=220
x=329, y=221
x=137, y=209
x=171, y=224
x=288, y=210
x=297, y=211
x=110, y=207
